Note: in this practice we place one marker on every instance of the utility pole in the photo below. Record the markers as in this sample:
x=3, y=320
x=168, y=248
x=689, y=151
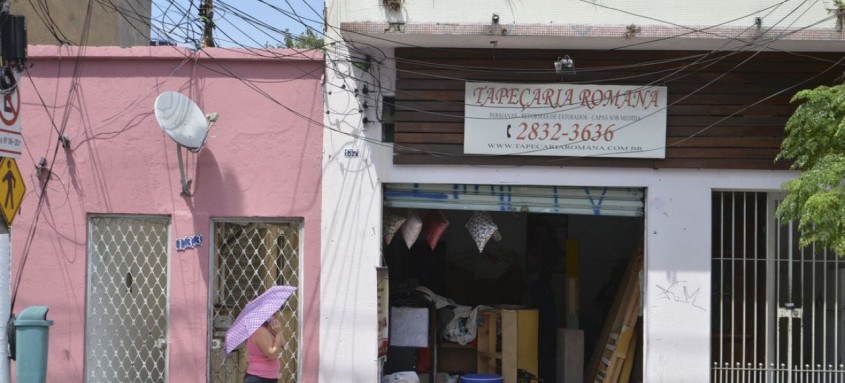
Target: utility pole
x=207, y=17
x=13, y=52
x=5, y=270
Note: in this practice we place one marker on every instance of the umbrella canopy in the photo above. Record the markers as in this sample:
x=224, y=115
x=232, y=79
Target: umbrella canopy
x=255, y=313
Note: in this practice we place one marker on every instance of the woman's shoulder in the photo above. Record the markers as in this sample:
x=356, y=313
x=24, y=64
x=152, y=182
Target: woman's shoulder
x=263, y=331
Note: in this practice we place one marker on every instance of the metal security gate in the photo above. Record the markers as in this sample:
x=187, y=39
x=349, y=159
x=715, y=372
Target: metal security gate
x=624, y=202
x=776, y=307
x=249, y=257
x=126, y=328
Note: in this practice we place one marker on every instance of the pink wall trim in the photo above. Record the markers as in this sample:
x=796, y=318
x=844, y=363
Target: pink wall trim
x=172, y=52
x=260, y=161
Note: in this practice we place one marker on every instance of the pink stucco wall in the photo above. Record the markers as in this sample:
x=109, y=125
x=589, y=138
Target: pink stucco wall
x=260, y=160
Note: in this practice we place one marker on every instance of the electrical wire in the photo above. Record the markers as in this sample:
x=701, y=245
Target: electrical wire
x=224, y=70
x=65, y=118
x=302, y=19
x=380, y=89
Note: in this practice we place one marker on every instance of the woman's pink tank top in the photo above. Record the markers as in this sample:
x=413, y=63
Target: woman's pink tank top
x=260, y=365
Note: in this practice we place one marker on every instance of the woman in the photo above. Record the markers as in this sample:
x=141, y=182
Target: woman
x=262, y=353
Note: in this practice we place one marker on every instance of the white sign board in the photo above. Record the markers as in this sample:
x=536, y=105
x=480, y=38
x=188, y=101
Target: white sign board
x=565, y=120
x=11, y=140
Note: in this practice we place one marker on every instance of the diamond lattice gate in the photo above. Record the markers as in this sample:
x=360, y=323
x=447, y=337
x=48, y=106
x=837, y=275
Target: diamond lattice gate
x=248, y=258
x=127, y=300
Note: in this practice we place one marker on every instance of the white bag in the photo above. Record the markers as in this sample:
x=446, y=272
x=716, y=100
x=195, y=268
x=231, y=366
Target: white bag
x=401, y=377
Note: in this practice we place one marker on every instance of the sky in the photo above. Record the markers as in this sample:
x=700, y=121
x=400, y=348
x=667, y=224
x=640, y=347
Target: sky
x=238, y=22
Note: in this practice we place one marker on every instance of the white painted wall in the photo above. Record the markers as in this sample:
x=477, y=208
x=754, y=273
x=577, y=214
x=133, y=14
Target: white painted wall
x=678, y=249
x=678, y=211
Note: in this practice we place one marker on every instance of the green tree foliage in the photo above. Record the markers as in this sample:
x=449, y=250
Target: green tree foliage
x=815, y=142
x=305, y=40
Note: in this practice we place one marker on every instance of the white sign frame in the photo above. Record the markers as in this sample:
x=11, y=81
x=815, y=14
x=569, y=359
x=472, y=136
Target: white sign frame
x=11, y=139
x=566, y=120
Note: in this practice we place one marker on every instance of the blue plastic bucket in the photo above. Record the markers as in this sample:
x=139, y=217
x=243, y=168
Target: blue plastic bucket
x=481, y=378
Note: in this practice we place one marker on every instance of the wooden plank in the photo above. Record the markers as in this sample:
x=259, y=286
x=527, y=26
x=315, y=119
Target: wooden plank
x=527, y=342
x=744, y=121
x=486, y=338
x=429, y=127
x=718, y=99
x=729, y=153
x=622, y=350
x=724, y=142
x=628, y=365
x=430, y=95
x=623, y=322
x=712, y=143
x=430, y=138
x=409, y=116
x=433, y=106
x=726, y=131
x=410, y=157
x=510, y=345
x=675, y=152
x=546, y=74
x=680, y=109
x=725, y=110
x=629, y=279
x=441, y=159
x=439, y=84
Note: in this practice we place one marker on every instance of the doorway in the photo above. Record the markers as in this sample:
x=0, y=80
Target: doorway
x=559, y=254
x=249, y=257
x=128, y=276
x=777, y=307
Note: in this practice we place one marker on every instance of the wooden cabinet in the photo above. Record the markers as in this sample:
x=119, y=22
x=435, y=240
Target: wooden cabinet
x=512, y=350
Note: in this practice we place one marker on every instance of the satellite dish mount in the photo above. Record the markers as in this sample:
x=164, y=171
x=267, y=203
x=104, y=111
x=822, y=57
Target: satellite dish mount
x=183, y=121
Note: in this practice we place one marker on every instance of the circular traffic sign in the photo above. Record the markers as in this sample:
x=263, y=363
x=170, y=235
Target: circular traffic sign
x=11, y=103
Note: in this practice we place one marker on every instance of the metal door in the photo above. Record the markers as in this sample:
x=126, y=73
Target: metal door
x=126, y=328
x=249, y=257
x=776, y=306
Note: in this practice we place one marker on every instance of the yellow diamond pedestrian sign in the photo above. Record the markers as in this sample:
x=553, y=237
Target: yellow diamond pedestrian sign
x=12, y=189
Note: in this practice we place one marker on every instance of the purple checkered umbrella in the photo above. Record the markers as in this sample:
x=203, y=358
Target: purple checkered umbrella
x=255, y=313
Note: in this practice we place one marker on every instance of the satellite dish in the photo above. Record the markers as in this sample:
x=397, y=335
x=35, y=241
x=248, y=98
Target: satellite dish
x=182, y=120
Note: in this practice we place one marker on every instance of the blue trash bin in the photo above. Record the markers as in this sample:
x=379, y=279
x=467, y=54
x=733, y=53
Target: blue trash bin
x=31, y=339
x=481, y=378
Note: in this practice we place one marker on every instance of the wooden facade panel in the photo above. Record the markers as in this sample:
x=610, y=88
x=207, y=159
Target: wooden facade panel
x=427, y=116
x=430, y=95
x=456, y=109
x=738, y=153
x=428, y=138
x=416, y=154
x=723, y=142
x=724, y=132
x=725, y=109
x=617, y=76
x=430, y=127
x=736, y=145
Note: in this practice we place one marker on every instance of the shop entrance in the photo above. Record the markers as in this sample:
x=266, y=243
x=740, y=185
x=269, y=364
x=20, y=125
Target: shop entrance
x=524, y=282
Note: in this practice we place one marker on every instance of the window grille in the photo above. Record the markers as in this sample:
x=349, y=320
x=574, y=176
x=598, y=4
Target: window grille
x=248, y=258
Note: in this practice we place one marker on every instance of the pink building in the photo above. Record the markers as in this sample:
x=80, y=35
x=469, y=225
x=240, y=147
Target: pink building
x=96, y=238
